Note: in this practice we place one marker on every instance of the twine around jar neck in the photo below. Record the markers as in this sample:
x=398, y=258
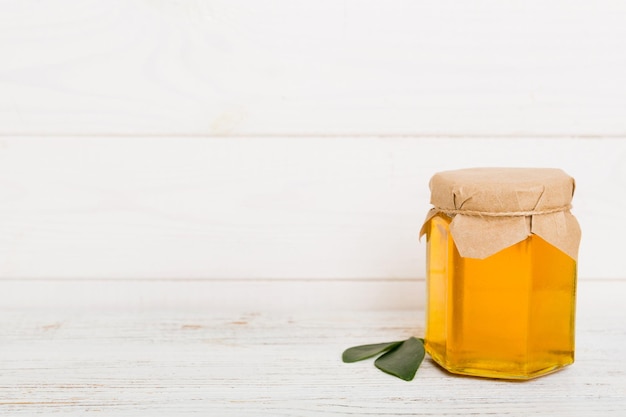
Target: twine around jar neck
x=503, y=213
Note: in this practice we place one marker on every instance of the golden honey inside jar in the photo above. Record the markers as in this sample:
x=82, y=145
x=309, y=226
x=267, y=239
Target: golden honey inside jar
x=501, y=271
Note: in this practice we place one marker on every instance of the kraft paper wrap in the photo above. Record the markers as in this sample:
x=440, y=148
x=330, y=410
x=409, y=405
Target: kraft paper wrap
x=510, y=194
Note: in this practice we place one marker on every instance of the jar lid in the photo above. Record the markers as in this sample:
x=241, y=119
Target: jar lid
x=494, y=208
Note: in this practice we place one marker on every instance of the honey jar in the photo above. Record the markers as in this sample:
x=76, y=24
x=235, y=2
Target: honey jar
x=502, y=249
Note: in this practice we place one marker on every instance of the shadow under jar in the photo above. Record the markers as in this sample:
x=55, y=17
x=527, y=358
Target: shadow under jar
x=501, y=271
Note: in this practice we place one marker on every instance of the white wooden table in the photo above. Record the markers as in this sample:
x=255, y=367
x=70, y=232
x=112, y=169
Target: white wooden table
x=172, y=362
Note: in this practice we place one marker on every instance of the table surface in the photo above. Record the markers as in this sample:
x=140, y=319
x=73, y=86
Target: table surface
x=164, y=362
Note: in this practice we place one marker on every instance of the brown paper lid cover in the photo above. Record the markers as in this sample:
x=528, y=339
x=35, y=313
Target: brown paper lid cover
x=494, y=208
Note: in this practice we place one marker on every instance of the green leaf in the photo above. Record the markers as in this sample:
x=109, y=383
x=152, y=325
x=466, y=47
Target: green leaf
x=358, y=353
x=404, y=360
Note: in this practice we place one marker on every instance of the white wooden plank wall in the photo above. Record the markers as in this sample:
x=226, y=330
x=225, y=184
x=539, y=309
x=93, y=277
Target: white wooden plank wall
x=293, y=67
x=223, y=143
x=287, y=208
x=234, y=209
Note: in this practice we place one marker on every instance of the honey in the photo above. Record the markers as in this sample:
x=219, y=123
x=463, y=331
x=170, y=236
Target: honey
x=507, y=315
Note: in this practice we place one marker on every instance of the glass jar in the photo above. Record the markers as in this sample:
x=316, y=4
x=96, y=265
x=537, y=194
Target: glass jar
x=501, y=271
